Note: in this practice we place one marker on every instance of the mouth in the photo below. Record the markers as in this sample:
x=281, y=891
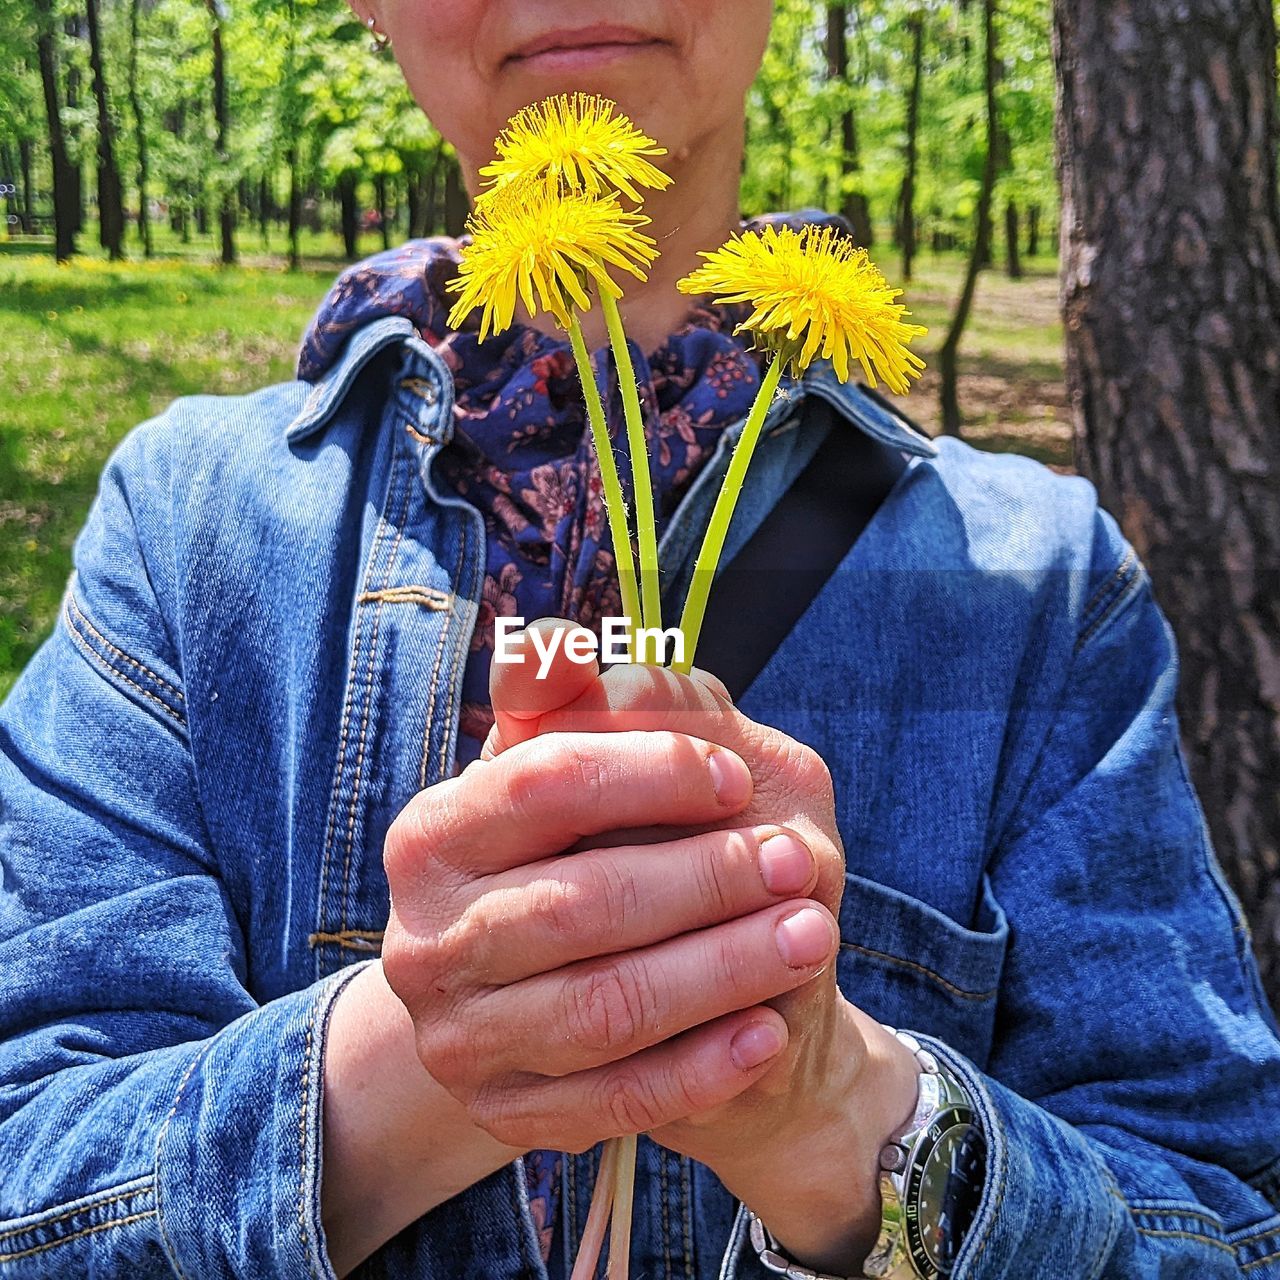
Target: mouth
x=571, y=50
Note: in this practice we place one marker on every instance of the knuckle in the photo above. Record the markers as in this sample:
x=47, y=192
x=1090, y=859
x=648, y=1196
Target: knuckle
x=714, y=876
x=628, y=1102
x=491, y=1107
x=605, y=1011
x=584, y=902
x=420, y=837
x=447, y=1048
x=546, y=770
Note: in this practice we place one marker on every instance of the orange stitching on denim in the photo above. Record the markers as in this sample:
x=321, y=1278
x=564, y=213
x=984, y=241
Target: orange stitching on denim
x=1153, y=1211
x=85, y=647
x=919, y=968
x=457, y=656
x=88, y=1207
x=120, y=653
x=302, y=1141
x=1186, y=1235
x=164, y=1133
x=686, y=1213
x=352, y=939
x=347, y=711
x=1257, y=1262
x=435, y=675
x=76, y=1235
x=428, y=596
x=368, y=696
x=1109, y=606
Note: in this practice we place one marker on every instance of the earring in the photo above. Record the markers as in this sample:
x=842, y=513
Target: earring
x=380, y=38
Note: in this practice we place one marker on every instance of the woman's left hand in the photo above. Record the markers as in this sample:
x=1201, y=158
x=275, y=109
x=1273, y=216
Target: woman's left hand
x=799, y=1146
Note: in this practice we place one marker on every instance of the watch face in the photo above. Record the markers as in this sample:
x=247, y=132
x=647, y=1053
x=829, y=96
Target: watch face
x=932, y=1161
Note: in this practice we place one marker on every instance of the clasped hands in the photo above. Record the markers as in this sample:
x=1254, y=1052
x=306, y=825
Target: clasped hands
x=622, y=919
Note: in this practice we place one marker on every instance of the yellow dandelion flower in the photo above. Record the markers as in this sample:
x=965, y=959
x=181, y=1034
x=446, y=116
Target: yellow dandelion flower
x=547, y=247
x=581, y=140
x=814, y=293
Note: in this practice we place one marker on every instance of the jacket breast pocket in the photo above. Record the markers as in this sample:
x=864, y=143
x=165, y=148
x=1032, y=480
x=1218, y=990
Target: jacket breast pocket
x=905, y=963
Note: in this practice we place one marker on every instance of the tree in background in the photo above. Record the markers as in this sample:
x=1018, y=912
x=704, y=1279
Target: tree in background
x=1171, y=288
x=65, y=178
x=110, y=199
x=948, y=354
x=852, y=202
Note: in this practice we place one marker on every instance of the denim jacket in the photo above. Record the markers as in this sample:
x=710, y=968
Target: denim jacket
x=257, y=665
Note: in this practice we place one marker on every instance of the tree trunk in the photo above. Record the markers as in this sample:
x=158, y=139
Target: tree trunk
x=347, y=205
x=64, y=174
x=28, y=190
x=226, y=203
x=853, y=203
x=1033, y=230
x=384, y=221
x=908, y=200
x=71, y=29
x=110, y=197
x=1012, y=234
x=980, y=254
x=1171, y=291
x=140, y=134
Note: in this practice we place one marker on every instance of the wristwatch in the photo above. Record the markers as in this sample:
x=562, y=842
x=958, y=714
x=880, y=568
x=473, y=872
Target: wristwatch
x=930, y=1183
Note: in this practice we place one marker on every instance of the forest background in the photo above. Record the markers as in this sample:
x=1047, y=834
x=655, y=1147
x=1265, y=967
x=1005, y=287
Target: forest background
x=1080, y=199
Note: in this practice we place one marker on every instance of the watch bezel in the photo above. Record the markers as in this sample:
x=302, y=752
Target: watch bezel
x=950, y=1116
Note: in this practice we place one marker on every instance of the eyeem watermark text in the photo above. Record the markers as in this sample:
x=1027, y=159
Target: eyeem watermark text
x=651, y=644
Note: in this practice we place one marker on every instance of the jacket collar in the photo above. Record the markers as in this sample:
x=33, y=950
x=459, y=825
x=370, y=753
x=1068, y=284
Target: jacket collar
x=854, y=402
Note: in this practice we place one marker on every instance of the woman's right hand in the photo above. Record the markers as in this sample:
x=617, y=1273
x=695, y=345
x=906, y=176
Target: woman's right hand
x=566, y=997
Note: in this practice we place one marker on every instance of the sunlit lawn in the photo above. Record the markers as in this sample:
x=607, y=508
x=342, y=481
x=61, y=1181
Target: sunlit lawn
x=92, y=349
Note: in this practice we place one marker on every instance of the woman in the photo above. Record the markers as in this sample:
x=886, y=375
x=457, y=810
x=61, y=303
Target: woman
x=287, y=991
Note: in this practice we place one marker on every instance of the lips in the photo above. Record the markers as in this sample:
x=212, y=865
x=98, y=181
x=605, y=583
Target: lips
x=602, y=38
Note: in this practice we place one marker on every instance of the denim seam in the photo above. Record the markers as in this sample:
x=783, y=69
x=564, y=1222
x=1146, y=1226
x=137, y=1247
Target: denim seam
x=1256, y=1237
x=368, y=695
x=456, y=658
x=1125, y=590
x=160, y=1141
x=1113, y=1232
x=686, y=1214
x=302, y=1138
x=1257, y=1262
x=99, y=660
x=348, y=710
x=1160, y=1234
x=428, y=597
x=75, y=1235
x=666, y=1212
x=1113, y=584
x=1166, y=1209
x=120, y=653
x=933, y=976
x=112, y=1195
x=435, y=674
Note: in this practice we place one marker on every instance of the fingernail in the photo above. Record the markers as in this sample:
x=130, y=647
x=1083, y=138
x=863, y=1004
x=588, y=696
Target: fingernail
x=804, y=938
x=786, y=865
x=755, y=1044
x=730, y=778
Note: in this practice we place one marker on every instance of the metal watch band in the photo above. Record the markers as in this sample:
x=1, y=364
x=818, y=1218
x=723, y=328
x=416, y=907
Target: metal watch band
x=893, y=1156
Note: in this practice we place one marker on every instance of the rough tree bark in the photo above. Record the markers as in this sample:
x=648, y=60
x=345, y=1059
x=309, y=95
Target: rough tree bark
x=110, y=195
x=853, y=203
x=948, y=354
x=65, y=192
x=1171, y=297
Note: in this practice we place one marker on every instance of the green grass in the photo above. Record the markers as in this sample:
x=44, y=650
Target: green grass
x=93, y=348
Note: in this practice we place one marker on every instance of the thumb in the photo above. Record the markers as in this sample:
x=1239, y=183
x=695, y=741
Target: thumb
x=539, y=677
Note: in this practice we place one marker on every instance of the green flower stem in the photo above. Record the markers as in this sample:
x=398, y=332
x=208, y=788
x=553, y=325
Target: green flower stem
x=624, y=1185
x=615, y=504
x=695, y=605
x=646, y=531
